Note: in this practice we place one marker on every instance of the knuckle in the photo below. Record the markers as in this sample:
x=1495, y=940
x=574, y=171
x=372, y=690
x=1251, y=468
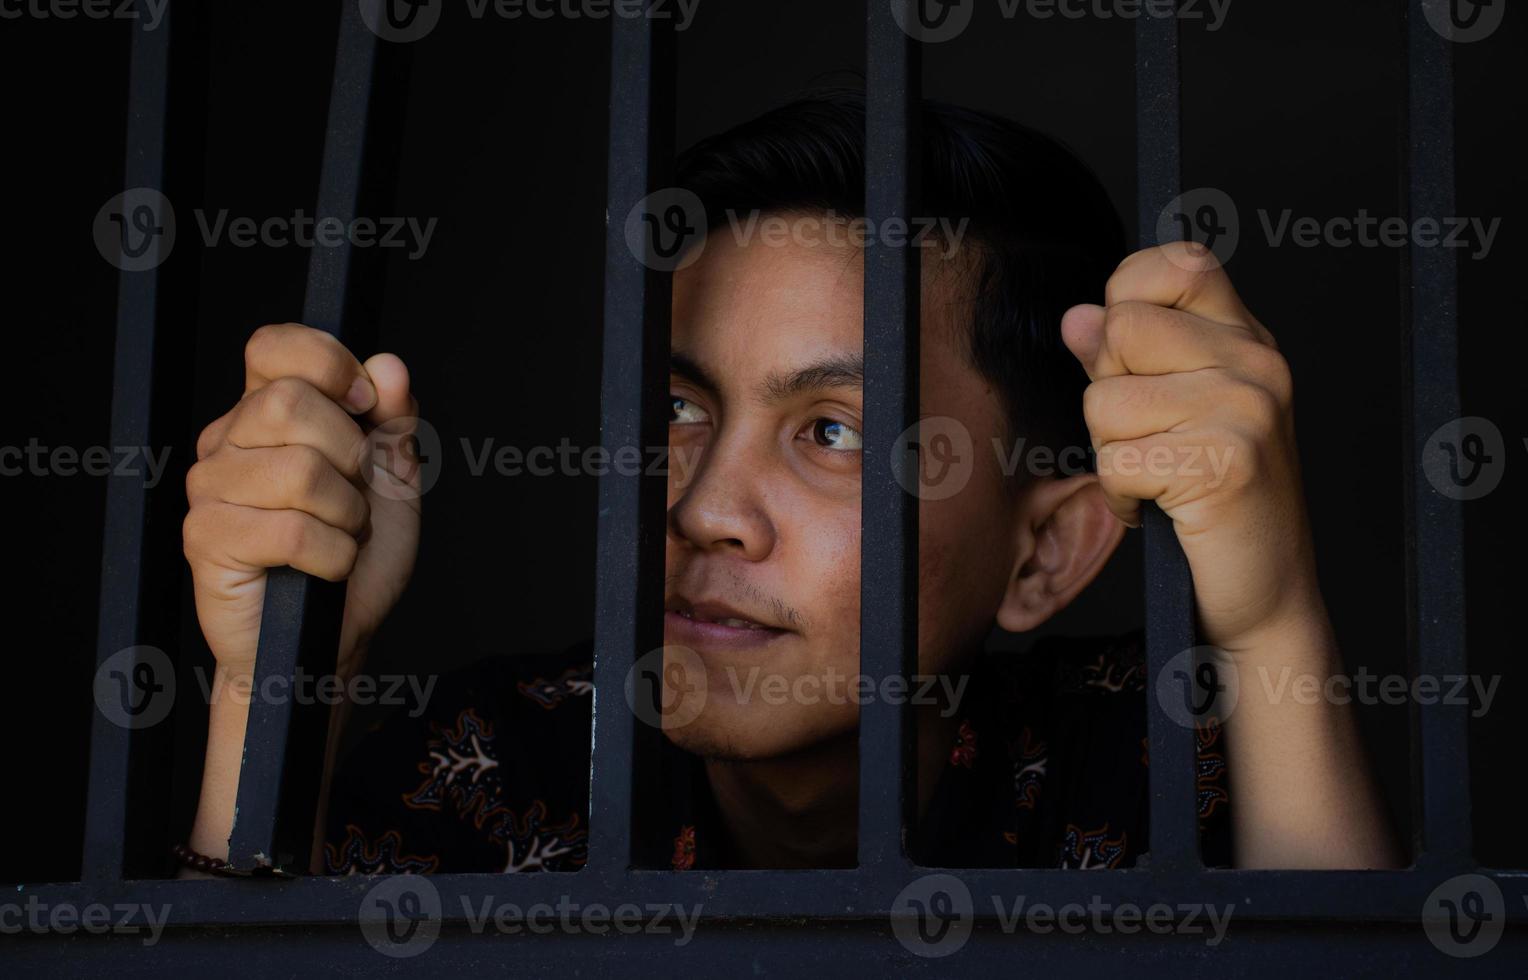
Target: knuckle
x=1192, y=257
x=207, y=441
x=293, y=533
x=265, y=339
x=281, y=402
x=199, y=481
x=1259, y=407
x=1271, y=371
x=302, y=471
x=196, y=532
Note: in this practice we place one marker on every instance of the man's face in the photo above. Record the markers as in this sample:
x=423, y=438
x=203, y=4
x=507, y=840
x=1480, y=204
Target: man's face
x=764, y=497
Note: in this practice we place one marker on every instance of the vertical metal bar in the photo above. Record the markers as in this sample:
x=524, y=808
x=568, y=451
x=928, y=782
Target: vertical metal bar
x=889, y=514
x=1436, y=525
x=112, y=743
x=279, y=780
x=1174, y=825
x=638, y=294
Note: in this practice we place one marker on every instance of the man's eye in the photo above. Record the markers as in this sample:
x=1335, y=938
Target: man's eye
x=682, y=412
x=836, y=436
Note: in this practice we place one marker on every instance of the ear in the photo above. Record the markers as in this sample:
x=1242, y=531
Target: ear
x=1066, y=534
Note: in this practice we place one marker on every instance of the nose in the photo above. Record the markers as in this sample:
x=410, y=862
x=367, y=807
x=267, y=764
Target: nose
x=721, y=508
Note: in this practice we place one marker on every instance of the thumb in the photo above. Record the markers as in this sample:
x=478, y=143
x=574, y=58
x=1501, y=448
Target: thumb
x=391, y=377
x=392, y=446
x=1082, y=330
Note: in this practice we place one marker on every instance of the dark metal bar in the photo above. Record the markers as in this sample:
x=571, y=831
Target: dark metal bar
x=1248, y=896
x=1436, y=522
x=629, y=576
x=1174, y=820
x=889, y=514
x=112, y=742
x=279, y=781
x=853, y=949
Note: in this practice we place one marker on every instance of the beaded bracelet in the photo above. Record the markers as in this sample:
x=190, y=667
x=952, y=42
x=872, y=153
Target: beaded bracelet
x=203, y=863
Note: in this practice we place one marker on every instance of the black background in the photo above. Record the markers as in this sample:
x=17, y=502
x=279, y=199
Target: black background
x=503, y=141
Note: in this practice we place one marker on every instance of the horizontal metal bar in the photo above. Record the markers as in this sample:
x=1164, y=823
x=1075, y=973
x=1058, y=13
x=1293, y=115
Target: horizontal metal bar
x=282, y=770
x=630, y=526
x=1436, y=545
x=1174, y=822
x=1336, y=896
x=889, y=514
x=112, y=743
x=854, y=949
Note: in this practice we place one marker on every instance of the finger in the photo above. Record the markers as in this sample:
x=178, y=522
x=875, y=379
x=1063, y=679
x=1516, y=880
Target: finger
x=394, y=399
x=279, y=478
x=1142, y=338
x=1168, y=467
x=291, y=350
x=228, y=535
x=289, y=412
x=1131, y=406
x=393, y=447
x=1184, y=276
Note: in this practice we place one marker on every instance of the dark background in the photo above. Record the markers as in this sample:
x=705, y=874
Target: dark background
x=503, y=141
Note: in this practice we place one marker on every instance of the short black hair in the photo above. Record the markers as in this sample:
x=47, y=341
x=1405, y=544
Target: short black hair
x=1048, y=235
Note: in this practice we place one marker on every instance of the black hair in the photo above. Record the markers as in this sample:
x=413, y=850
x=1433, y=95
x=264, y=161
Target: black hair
x=1046, y=233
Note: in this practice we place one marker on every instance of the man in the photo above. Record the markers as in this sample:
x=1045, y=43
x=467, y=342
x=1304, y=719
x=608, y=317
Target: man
x=1185, y=400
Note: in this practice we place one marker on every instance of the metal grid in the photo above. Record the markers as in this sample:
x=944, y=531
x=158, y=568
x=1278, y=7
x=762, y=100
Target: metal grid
x=277, y=789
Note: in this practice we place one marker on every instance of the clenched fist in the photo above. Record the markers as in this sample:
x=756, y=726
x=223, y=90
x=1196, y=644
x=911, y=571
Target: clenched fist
x=313, y=468
x=1190, y=406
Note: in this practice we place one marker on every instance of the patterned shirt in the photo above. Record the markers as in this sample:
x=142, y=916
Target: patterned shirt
x=1048, y=770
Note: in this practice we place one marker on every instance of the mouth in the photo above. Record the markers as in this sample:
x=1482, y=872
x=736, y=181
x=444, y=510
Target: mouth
x=715, y=624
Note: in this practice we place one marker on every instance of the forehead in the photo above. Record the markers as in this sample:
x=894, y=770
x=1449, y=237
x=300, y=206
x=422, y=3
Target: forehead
x=747, y=307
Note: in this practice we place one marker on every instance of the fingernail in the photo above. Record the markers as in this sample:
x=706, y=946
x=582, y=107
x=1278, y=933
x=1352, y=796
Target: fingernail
x=361, y=395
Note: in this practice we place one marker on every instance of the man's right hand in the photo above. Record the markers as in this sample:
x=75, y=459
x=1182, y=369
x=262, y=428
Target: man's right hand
x=315, y=468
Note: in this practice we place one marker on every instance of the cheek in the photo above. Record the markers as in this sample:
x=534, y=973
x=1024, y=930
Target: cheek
x=822, y=577
x=964, y=558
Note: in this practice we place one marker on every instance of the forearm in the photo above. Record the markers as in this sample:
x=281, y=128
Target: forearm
x=228, y=716
x=1303, y=793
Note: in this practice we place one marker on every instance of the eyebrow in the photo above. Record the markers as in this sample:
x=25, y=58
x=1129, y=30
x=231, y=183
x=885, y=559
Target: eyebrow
x=837, y=371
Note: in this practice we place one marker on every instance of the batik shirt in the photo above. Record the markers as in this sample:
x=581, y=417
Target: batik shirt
x=1048, y=770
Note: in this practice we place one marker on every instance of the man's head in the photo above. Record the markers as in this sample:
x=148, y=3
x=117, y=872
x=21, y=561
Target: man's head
x=764, y=504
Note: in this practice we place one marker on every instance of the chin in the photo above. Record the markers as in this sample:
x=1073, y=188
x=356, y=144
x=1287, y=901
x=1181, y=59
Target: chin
x=731, y=734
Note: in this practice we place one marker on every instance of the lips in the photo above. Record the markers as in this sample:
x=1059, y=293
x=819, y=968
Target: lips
x=718, y=613
x=715, y=625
